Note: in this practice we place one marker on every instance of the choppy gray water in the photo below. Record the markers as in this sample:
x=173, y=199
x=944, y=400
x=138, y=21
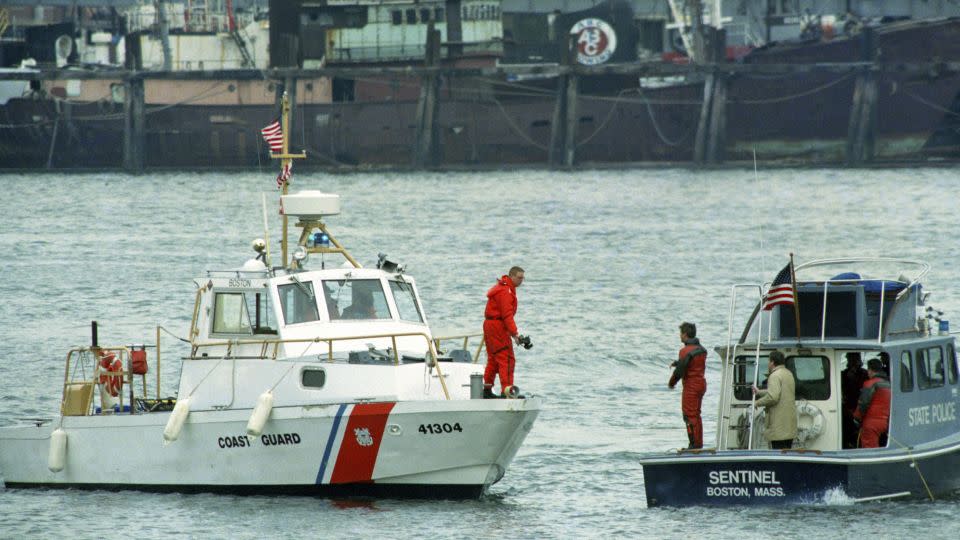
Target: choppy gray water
x=615, y=261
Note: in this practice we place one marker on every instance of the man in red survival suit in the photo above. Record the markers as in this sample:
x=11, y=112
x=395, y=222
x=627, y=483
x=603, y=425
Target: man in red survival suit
x=873, y=409
x=690, y=367
x=500, y=331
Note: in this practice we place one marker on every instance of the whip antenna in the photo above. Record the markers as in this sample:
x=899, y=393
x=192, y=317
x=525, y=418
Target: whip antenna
x=756, y=177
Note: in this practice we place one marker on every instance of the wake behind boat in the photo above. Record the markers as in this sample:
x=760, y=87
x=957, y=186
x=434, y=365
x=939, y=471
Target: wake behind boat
x=858, y=305
x=322, y=381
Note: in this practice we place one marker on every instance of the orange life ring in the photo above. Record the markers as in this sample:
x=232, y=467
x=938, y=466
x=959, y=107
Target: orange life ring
x=111, y=383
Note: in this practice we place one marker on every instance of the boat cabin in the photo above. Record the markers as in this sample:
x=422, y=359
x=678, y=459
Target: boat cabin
x=237, y=311
x=345, y=312
x=843, y=316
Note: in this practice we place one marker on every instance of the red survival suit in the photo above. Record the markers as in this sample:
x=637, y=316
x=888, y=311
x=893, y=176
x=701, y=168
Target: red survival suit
x=690, y=367
x=498, y=329
x=874, y=410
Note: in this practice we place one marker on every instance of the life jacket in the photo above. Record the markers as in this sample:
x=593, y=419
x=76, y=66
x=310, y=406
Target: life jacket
x=502, y=304
x=874, y=401
x=111, y=383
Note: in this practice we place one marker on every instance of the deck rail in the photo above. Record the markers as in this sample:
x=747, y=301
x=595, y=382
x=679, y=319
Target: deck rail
x=270, y=348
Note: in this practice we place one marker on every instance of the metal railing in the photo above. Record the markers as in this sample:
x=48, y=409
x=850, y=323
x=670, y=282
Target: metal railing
x=466, y=342
x=265, y=345
x=727, y=372
x=91, y=354
x=924, y=268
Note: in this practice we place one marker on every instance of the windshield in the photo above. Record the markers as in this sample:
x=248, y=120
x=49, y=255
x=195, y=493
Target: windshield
x=406, y=301
x=356, y=299
x=298, y=303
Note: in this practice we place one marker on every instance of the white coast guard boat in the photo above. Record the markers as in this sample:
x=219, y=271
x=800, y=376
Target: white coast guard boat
x=873, y=307
x=304, y=381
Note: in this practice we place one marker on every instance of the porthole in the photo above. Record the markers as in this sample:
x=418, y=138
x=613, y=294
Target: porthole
x=313, y=377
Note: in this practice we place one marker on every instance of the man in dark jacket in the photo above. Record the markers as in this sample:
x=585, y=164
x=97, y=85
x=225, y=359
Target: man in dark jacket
x=874, y=406
x=500, y=331
x=851, y=381
x=690, y=368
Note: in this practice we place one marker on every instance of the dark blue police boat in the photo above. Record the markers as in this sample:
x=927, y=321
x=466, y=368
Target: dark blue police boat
x=860, y=305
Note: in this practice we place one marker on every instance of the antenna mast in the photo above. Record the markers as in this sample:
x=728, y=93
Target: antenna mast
x=286, y=159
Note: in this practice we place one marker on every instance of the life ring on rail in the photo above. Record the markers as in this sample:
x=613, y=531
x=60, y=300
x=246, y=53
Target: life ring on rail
x=808, y=432
x=111, y=383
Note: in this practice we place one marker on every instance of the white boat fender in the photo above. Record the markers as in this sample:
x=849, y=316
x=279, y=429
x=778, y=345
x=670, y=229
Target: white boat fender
x=58, y=450
x=808, y=433
x=176, y=420
x=260, y=415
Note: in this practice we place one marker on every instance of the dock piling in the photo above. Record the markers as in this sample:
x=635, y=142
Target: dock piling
x=862, y=128
x=134, y=125
x=563, y=127
x=426, y=144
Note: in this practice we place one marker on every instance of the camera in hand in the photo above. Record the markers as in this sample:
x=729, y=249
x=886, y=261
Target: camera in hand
x=524, y=341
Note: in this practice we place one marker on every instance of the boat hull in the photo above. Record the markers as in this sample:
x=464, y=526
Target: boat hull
x=429, y=449
x=775, y=478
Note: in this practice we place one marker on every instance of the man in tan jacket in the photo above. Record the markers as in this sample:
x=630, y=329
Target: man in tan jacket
x=780, y=400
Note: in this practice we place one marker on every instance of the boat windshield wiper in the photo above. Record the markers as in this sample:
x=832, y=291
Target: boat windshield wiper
x=303, y=288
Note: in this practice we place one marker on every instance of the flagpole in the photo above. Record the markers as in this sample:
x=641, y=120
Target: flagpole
x=284, y=163
x=286, y=160
x=796, y=303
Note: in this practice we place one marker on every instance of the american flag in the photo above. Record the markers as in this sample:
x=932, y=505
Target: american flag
x=273, y=134
x=781, y=290
x=285, y=173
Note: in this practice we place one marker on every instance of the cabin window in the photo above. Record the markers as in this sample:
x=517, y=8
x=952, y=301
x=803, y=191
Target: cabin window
x=298, y=303
x=424, y=16
x=952, y=364
x=396, y=16
x=744, y=376
x=812, y=377
x=411, y=16
x=439, y=15
x=313, y=378
x=906, y=373
x=261, y=312
x=356, y=299
x=406, y=301
x=929, y=368
x=841, y=314
x=230, y=314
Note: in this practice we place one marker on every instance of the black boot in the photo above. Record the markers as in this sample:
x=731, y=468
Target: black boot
x=488, y=394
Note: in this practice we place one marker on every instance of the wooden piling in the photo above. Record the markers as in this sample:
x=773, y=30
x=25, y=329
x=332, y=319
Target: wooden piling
x=570, y=131
x=426, y=143
x=558, y=123
x=862, y=127
x=703, y=124
x=717, y=134
x=563, y=126
x=868, y=133
x=134, y=125
x=712, y=126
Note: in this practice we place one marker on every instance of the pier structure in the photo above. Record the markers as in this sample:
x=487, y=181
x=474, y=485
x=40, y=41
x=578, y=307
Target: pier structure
x=468, y=92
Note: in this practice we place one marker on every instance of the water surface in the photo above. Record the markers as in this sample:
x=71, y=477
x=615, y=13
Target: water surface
x=615, y=260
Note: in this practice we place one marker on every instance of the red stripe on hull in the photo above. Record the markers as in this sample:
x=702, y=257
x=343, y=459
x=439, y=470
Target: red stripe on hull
x=361, y=443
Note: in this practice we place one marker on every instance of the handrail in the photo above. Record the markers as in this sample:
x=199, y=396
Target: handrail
x=722, y=431
x=466, y=339
x=883, y=297
x=826, y=284
x=924, y=267
x=127, y=374
x=266, y=343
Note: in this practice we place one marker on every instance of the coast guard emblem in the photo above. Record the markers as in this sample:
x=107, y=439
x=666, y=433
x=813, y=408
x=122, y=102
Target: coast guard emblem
x=363, y=436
